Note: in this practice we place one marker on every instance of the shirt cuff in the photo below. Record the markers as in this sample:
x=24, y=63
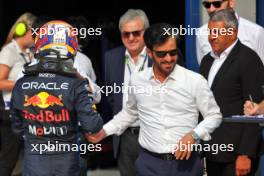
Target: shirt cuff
x=109, y=129
x=202, y=133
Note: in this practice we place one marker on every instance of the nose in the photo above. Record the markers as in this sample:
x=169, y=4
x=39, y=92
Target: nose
x=211, y=9
x=131, y=37
x=168, y=58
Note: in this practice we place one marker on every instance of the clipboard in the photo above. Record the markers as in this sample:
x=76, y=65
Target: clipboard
x=245, y=119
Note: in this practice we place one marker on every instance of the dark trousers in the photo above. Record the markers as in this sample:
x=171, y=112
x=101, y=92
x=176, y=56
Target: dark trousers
x=10, y=146
x=227, y=169
x=51, y=165
x=129, y=149
x=83, y=166
x=148, y=165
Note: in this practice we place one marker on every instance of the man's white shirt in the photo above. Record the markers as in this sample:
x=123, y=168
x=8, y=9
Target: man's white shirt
x=84, y=66
x=170, y=111
x=218, y=62
x=134, y=67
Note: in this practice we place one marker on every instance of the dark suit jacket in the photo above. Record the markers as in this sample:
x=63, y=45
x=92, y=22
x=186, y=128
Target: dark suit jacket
x=114, y=74
x=241, y=74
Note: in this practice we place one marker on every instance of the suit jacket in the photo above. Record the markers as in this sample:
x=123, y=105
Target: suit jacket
x=114, y=74
x=2, y=104
x=241, y=75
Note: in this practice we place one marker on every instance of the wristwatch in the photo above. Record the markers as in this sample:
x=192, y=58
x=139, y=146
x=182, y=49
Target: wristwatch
x=195, y=136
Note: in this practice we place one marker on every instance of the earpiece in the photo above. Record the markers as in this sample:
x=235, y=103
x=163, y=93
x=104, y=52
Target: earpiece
x=21, y=29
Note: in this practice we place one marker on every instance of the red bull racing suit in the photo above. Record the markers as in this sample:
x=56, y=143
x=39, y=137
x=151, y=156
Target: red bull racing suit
x=46, y=110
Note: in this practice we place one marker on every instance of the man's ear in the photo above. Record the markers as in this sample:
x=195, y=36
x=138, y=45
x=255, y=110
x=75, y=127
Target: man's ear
x=149, y=53
x=232, y=3
x=235, y=32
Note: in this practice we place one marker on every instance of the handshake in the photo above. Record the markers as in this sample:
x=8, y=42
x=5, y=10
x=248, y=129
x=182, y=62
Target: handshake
x=97, y=137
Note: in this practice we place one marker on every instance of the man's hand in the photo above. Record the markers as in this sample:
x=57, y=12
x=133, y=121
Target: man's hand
x=243, y=165
x=249, y=109
x=183, y=147
x=95, y=138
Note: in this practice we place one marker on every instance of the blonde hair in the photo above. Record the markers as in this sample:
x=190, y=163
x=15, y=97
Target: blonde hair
x=26, y=18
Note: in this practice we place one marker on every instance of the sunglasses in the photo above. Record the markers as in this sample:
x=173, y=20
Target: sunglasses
x=134, y=33
x=216, y=4
x=162, y=54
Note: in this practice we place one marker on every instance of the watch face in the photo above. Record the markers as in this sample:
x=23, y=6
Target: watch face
x=195, y=136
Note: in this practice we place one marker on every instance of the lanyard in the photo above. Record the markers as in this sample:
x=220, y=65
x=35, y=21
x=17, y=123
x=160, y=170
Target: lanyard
x=25, y=59
x=129, y=66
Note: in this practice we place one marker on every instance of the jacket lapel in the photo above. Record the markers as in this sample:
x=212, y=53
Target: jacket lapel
x=206, y=65
x=120, y=68
x=118, y=78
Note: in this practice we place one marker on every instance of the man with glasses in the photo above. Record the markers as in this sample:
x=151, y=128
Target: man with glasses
x=234, y=72
x=169, y=116
x=120, y=63
x=249, y=33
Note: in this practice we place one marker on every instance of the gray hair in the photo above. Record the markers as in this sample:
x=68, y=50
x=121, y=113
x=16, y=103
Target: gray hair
x=228, y=16
x=132, y=14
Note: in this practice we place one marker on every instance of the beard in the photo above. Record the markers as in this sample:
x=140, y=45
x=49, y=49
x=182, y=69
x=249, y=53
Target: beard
x=161, y=68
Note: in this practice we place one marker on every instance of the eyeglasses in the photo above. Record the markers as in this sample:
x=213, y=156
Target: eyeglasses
x=216, y=4
x=162, y=54
x=134, y=33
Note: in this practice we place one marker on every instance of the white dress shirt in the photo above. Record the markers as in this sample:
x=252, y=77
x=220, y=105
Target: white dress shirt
x=218, y=62
x=84, y=66
x=167, y=111
x=134, y=67
x=249, y=33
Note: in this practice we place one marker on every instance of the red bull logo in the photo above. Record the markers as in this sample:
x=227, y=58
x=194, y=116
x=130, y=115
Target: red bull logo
x=48, y=116
x=43, y=100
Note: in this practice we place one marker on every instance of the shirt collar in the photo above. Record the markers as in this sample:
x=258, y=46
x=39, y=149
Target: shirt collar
x=17, y=46
x=225, y=53
x=19, y=49
x=142, y=53
x=175, y=74
x=237, y=16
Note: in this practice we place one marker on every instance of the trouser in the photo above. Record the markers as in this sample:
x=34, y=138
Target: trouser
x=129, y=149
x=261, y=165
x=227, y=169
x=10, y=146
x=66, y=164
x=149, y=165
x=83, y=166
x=262, y=158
